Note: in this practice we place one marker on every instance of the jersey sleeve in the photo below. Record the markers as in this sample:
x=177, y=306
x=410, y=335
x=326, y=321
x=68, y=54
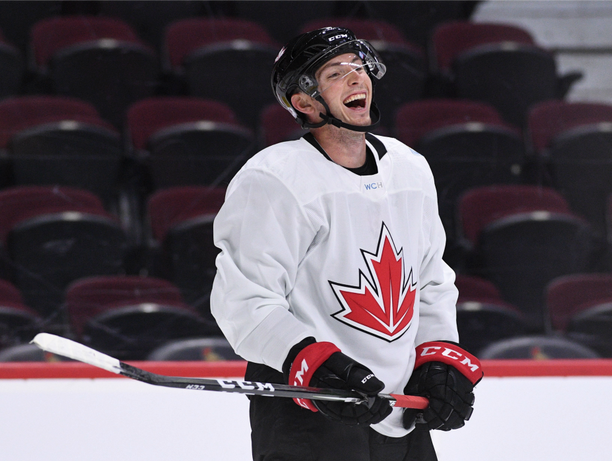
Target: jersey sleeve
x=263, y=234
x=438, y=296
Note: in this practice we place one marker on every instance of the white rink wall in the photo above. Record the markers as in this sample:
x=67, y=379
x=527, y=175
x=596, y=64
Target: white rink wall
x=516, y=418
x=534, y=419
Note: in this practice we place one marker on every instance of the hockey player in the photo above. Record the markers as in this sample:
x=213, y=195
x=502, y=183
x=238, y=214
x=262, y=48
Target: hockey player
x=330, y=272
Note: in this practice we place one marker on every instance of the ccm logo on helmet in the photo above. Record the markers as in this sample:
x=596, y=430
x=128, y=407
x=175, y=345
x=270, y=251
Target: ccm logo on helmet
x=336, y=37
x=449, y=353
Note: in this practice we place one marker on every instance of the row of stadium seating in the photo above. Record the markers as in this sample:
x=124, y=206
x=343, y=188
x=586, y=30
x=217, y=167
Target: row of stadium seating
x=146, y=318
x=115, y=149
x=176, y=141
x=60, y=133
x=519, y=239
x=103, y=60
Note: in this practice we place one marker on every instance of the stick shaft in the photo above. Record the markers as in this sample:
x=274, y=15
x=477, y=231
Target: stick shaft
x=71, y=349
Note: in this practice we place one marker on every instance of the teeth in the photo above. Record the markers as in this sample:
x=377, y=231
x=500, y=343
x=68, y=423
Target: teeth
x=354, y=97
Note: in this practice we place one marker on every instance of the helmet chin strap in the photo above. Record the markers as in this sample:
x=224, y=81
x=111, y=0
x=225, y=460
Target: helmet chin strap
x=328, y=118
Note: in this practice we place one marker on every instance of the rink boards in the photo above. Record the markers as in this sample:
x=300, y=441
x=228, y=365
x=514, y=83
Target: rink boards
x=528, y=410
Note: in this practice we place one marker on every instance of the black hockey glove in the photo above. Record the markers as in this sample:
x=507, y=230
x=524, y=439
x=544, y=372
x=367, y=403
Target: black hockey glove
x=321, y=364
x=445, y=374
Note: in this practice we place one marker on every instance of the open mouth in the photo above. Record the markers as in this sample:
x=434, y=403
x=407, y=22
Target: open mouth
x=355, y=101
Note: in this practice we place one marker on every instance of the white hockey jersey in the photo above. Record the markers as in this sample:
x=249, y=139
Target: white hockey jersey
x=309, y=248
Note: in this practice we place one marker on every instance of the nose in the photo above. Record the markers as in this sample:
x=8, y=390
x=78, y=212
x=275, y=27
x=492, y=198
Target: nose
x=355, y=77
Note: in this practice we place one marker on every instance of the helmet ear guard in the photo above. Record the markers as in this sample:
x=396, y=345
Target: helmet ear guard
x=296, y=64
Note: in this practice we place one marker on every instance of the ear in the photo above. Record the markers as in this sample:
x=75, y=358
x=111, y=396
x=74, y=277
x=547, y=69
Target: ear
x=303, y=103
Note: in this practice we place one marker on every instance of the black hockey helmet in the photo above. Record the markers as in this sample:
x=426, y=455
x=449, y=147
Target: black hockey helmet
x=296, y=64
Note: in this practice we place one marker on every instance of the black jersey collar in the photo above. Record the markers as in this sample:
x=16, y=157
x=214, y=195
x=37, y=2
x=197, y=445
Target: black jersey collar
x=376, y=143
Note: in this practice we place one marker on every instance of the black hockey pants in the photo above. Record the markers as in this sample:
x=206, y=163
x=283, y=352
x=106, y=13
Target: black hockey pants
x=284, y=431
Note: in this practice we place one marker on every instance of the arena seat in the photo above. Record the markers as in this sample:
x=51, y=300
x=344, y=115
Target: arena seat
x=226, y=59
x=466, y=143
x=277, y=125
x=60, y=140
x=483, y=317
x=195, y=349
x=29, y=353
x=188, y=141
x=580, y=306
x=571, y=141
x=129, y=316
x=98, y=59
x=522, y=237
x=537, y=348
x=54, y=235
x=497, y=63
x=181, y=220
x=150, y=19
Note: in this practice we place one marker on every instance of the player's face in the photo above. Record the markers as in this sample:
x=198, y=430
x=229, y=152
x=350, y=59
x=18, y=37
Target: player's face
x=346, y=88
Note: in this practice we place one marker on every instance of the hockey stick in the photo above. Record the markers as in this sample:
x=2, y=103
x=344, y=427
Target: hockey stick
x=73, y=350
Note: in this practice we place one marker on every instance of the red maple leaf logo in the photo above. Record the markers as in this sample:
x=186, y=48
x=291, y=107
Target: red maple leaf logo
x=384, y=304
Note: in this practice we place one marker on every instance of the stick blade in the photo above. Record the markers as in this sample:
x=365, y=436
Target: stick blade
x=73, y=350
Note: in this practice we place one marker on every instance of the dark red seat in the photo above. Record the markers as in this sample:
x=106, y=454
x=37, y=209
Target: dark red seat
x=277, y=125
x=483, y=316
x=567, y=296
x=467, y=145
x=580, y=307
x=452, y=38
x=417, y=119
x=481, y=206
x=128, y=316
x=188, y=140
x=172, y=206
x=571, y=141
x=61, y=140
x=181, y=223
x=522, y=237
x=497, y=63
x=99, y=59
x=54, y=235
x=18, y=204
x=227, y=59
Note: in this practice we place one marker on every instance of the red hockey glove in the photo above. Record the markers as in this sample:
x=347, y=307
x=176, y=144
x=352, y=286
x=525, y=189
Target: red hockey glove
x=445, y=374
x=321, y=364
